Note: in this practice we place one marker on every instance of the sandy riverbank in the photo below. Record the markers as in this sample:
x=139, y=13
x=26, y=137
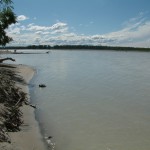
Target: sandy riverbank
x=29, y=137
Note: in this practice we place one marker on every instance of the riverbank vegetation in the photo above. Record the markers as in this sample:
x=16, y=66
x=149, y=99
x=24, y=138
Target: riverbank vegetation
x=11, y=99
x=77, y=47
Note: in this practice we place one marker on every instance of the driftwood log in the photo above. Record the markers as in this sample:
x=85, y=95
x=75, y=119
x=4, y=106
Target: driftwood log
x=8, y=58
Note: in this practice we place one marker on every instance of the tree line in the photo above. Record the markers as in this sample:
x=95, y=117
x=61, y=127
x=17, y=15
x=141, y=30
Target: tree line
x=76, y=47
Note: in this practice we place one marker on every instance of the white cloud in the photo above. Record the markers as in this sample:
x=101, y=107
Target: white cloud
x=54, y=29
x=22, y=18
x=60, y=31
x=134, y=33
x=41, y=32
x=58, y=26
x=37, y=28
x=15, y=31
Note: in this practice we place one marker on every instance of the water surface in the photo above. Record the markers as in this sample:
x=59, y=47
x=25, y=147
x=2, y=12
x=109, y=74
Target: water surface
x=94, y=100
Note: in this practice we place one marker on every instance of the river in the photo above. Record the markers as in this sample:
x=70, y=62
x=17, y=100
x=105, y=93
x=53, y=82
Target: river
x=94, y=100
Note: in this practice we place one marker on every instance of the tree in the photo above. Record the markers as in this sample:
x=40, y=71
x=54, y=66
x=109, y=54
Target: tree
x=7, y=17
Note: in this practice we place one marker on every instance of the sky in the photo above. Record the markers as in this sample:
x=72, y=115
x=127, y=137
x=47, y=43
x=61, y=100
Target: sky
x=81, y=22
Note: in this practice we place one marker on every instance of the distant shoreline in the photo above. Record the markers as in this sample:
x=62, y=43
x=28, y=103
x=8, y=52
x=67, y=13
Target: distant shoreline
x=10, y=51
x=74, y=47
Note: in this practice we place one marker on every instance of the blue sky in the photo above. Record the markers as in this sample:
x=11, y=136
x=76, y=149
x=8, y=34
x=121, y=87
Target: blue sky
x=94, y=22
